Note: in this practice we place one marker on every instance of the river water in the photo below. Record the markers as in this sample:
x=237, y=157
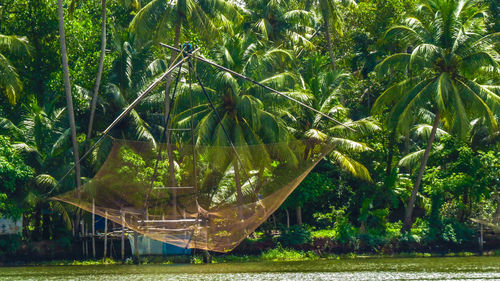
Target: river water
x=453, y=268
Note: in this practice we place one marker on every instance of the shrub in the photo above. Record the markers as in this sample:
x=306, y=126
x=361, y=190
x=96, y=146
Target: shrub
x=324, y=233
x=282, y=254
x=9, y=244
x=295, y=235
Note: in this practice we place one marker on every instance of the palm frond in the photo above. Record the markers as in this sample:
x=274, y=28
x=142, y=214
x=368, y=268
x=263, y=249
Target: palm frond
x=412, y=160
x=9, y=80
x=347, y=145
x=351, y=166
x=393, y=62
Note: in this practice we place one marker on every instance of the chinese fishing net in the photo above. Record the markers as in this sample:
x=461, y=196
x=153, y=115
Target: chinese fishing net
x=211, y=203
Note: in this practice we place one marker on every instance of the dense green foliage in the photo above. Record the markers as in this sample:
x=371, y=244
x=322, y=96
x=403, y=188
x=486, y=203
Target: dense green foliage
x=418, y=80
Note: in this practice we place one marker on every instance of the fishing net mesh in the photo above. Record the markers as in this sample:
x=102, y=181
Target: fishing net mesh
x=210, y=197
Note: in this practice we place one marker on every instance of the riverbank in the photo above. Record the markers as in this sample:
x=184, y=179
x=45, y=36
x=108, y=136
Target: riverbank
x=272, y=255
x=295, y=244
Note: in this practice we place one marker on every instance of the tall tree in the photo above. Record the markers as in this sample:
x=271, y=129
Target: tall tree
x=244, y=116
x=200, y=16
x=449, y=46
x=99, y=69
x=67, y=88
x=331, y=17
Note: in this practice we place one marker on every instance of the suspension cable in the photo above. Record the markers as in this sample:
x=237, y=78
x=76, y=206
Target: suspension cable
x=263, y=86
x=164, y=133
x=238, y=159
x=122, y=115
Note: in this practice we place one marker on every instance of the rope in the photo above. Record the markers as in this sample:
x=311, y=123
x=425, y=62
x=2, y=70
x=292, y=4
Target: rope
x=163, y=134
x=121, y=116
x=222, y=126
x=263, y=86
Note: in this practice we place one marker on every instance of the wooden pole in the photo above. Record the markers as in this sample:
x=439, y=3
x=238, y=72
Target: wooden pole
x=148, y=240
x=93, y=228
x=136, y=248
x=105, y=235
x=87, y=241
x=481, y=239
x=125, y=112
x=82, y=236
x=123, y=237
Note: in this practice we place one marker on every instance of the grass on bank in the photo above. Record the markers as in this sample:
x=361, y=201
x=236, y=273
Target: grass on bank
x=278, y=254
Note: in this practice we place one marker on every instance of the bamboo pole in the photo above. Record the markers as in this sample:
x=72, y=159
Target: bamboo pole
x=124, y=113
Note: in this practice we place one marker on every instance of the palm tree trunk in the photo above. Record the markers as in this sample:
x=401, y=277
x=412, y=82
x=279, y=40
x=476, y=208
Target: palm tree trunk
x=46, y=223
x=390, y=153
x=67, y=87
x=239, y=193
x=306, y=152
x=37, y=231
x=299, y=215
x=168, y=79
x=99, y=68
x=411, y=202
x=329, y=43
x=287, y=219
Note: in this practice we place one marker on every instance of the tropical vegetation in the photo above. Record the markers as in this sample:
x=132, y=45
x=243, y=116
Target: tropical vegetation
x=415, y=85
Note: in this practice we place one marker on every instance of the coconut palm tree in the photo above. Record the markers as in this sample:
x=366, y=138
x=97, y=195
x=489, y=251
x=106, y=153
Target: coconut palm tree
x=322, y=93
x=131, y=71
x=448, y=46
x=43, y=139
x=9, y=80
x=331, y=18
x=202, y=16
x=100, y=68
x=243, y=115
x=286, y=23
x=125, y=3
x=160, y=16
x=67, y=88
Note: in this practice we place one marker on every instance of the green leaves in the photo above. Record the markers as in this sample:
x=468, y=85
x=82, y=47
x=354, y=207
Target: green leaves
x=351, y=166
x=440, y=64
x=14, y=177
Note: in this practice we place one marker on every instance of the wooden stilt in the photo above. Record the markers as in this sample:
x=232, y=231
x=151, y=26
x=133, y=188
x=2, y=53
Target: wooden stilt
x=105, y=235
x=82, y=236
x=85, y=238
x=481, y=239
x=123, y=237
x=136, y=248
x=148, y=241
x=208, y=257
x=93, y=228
